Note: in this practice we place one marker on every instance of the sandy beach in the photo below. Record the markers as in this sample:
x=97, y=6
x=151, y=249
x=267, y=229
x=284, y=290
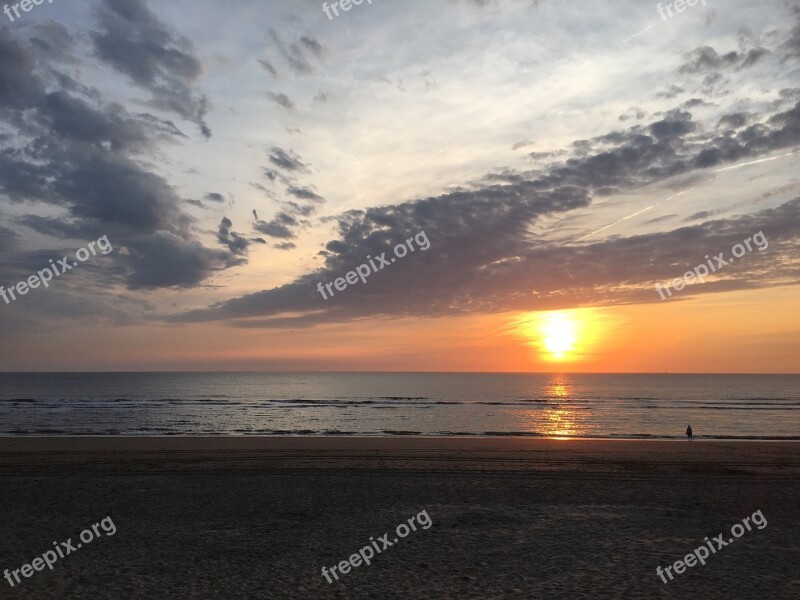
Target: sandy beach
x=258, y=517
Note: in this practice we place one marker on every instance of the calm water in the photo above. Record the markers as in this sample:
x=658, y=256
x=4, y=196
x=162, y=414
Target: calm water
x=658, y=406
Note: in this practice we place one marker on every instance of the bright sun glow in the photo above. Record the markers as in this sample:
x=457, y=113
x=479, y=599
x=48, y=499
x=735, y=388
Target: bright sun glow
x=559, y=334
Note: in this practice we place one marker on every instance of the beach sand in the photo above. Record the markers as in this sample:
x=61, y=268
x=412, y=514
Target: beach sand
x=512, y=518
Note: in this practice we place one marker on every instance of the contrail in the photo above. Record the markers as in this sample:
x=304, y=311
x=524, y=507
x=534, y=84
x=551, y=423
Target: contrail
x=644, y=210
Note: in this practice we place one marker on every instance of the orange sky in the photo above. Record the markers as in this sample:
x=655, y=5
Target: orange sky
x=705, y=334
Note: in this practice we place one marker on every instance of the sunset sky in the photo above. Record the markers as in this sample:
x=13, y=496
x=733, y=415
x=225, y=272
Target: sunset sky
x=561, y=160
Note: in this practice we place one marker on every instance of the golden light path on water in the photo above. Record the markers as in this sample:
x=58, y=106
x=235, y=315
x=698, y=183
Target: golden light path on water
x=559, y=421
x=558, y=418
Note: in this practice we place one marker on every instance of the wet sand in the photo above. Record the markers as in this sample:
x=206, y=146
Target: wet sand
x=512, y=518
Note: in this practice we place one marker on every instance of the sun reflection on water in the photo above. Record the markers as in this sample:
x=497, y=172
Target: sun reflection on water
x=558, y=418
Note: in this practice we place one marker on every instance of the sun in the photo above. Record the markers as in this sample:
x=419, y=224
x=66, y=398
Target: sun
x=559, y=333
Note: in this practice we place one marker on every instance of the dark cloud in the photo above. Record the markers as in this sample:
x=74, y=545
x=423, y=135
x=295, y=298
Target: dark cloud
x=634, y=113
x=699, y=216
x=275, y=228
x=112, y=190
x=20, y=87
x=215, y=197
x=713, y=84
x=733, y=120
x=9, y=240
x=59, y=227
x=261, y=188
x=544, y=155
x=671, y=92
x=792, y=44
x=286, y=160
x=53, y=41
x=708, y=60
x=268, y=67
x=694, y=102
x=302, y=210
x=77, y=120
x=274, y=176
x=660, y=219
x=300, y=53
x=281, y=99
x=483, y=257
x=305, y=193
x=235, y=243
x=80, y=154
x=137, y=44
x=169, y=260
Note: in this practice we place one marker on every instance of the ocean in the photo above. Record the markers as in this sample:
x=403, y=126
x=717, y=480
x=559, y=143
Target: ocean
x=658, y=406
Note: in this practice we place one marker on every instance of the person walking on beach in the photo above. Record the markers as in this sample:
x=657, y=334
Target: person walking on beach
x=689, y=432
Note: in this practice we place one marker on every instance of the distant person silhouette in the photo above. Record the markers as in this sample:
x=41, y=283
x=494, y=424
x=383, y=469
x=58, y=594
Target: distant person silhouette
x=689, y=432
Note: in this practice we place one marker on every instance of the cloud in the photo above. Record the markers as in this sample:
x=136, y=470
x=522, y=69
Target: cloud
x=268, y=67
x=305, y=193
x=9, y=240
x=792, y=44
x=235, y=243
x=276, y=228
x=281, y=99
x=169, y=260
x=694, y=102
x=80, y=155
x=671, y=92
x=699, y=216
x=707, y=60
x=53, y=41
x=287, y=160
x=483, y=257
x=137, y=44
x=733, y=120
x=300, y=53
x=302, y=210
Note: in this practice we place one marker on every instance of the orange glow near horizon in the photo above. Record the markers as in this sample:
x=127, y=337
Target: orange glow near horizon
x=713, y=337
